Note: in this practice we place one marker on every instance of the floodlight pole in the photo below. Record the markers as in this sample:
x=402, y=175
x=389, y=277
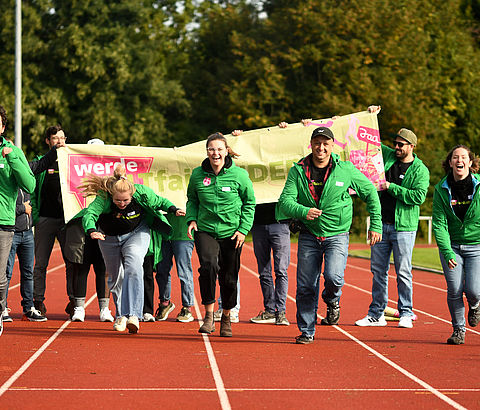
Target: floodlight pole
x=18, y=73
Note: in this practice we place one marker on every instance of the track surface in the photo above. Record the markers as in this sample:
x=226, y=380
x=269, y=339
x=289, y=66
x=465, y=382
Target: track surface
x=60, y=364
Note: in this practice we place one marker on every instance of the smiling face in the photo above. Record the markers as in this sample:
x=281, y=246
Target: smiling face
x=460, y=163
x=321, y=150
x=403, y=149
x=122, y=199
x=217, y=151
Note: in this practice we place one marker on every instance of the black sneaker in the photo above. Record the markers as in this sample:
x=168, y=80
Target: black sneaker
x=473, y=315
x=457, y=337
x=163, y=311
x=33, y=315
x=333, y=314
x=304, y=339
x=40, y=306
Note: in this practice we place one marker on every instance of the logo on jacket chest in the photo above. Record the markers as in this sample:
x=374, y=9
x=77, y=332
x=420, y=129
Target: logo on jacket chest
x=207, y=181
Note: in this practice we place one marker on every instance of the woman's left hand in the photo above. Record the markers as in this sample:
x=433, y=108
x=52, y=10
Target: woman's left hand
x=240, y=237
x=452, y=263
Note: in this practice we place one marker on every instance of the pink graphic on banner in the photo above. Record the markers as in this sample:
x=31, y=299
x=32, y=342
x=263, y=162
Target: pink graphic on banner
x=81, y=165
x=368, y=135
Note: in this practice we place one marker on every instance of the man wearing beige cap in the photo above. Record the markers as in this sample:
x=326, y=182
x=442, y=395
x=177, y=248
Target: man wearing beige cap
x=407, y=180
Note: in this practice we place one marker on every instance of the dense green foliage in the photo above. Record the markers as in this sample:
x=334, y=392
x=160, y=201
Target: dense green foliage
x=165, y=73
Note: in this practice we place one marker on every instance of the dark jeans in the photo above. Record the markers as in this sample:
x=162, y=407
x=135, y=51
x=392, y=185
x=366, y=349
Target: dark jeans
x=23, y=246
x=148, y=284
x=218, y=257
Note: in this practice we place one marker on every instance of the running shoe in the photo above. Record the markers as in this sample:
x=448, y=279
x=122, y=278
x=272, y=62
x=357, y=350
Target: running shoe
x=304, y=339
x=263, y=317
x=106, y=315
x=333, y=314
x=281, y=320
x=120, y=324
x=163, y=311
x=185, y=315
x=132, y=324
x=457, y=337
x=371, y=321
x=78, y=314
x=6, y=315
x=33, y=315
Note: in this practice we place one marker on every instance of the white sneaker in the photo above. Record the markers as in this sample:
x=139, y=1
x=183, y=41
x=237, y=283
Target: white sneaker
x=148, y=317
x=6, y=315
x=120, y=324
x=234, y=316
x=217, y=315
x=106, y=315
x=78, y=314
x=371, y=321
x=132, y=324
x=406, y=322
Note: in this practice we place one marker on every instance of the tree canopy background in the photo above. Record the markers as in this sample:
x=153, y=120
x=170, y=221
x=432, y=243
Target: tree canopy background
x=166, y=73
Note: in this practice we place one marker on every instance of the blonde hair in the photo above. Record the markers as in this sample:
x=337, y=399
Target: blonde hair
x=96, y=185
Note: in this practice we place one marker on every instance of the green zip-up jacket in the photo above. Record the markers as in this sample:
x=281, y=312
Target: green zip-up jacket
x=411, y=194
x=14, y=173
x=152, y=203
x=447, y=227
x=336, y=203
x=221, y=204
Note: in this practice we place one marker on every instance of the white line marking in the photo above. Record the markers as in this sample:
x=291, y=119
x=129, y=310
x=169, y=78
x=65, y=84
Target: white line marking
x=222, y=393
x=37, y=354
x=412, y=377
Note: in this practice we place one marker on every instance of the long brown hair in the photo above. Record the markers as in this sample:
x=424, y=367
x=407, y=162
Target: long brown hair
x=475, y=160
x=118, y=182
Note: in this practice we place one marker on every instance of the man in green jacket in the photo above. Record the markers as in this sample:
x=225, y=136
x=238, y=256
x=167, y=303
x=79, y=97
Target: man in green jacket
x=14, y=174
x=316, y=193
x=405, y=190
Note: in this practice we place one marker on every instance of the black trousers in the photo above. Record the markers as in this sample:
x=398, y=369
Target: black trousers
x=218, y=258
x=148, y=284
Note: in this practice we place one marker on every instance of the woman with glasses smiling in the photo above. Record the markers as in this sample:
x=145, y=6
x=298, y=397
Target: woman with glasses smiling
x=129, y=221
x=220, y=210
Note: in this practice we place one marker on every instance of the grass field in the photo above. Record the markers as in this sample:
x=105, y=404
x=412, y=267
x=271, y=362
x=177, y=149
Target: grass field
x=422, y=257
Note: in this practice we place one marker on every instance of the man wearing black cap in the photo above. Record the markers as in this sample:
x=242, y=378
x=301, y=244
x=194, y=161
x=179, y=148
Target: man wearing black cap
x=316, y=193
x=407, y=180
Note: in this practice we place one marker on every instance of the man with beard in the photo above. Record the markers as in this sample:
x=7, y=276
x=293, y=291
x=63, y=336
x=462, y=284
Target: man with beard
x=407, y=180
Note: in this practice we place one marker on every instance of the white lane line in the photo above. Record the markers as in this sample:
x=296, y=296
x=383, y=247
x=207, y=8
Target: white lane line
x=37, y=354
x=405, y=372
x=220, y=387
x=349, y=265
x=235, y=389
x=48, y=271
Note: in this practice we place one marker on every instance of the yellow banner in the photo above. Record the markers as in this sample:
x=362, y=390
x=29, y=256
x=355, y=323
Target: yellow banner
x=267, y=154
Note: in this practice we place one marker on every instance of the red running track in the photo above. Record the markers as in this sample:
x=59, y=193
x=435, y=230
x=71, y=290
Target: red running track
x=59, y=364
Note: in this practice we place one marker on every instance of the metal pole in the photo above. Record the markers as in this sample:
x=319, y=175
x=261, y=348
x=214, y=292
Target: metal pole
x=18, y=73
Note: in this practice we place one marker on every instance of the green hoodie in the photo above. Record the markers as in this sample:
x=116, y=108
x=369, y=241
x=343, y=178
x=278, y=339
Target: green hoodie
x=411, y=194
x=447, y=227
x=14, y=173
x=335, y=202
x=152, y=203
x=221, y=204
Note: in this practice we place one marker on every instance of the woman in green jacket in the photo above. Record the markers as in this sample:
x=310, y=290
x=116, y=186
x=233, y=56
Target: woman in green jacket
x=129, y=220
x=456, y=224
x=220, y=209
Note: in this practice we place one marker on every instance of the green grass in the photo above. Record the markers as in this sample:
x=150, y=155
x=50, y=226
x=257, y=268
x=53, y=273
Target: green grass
x=423, y=257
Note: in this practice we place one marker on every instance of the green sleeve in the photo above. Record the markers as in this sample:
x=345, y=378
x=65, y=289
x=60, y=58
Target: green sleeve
x=440, y=226
x=247, y=196
x=21, y=170
x=415, y=195
x=192, y=200
x=93, y=212
x=288, y=202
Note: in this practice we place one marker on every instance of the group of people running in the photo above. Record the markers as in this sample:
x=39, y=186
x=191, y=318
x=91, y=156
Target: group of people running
x=129, y=229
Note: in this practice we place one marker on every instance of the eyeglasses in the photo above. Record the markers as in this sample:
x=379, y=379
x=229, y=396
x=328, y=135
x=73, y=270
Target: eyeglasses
x=400, y=144
x=54, y=137
x=213, y=150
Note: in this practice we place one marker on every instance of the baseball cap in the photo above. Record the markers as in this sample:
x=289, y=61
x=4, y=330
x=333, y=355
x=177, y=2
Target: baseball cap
x=407, y=135
x=322, y=132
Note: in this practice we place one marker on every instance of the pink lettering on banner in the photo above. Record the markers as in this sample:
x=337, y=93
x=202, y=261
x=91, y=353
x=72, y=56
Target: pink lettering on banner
x=369, y=135
x=81, y=165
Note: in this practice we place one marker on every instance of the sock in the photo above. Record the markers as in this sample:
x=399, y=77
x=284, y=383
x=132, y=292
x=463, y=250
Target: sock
x=79, y=302
x=103, y=303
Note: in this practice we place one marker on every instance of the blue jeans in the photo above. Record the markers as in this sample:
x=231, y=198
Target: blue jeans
x=182, y=250
x=267, y=239
x=124, y=255
x=312, y=252
x=23, y=245
x=401, y=243
x=5, y=246
x=463, y=278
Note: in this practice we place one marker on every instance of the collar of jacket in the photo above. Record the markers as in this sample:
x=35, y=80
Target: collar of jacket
x=207, y=167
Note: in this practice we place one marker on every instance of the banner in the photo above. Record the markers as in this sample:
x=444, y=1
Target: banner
x=267, y=154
